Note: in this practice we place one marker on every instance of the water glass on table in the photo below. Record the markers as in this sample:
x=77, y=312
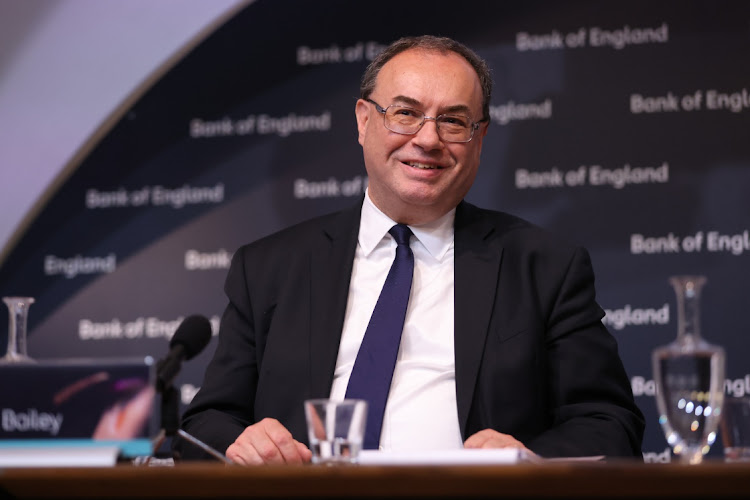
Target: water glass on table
x=735, y=429
x=336, y=429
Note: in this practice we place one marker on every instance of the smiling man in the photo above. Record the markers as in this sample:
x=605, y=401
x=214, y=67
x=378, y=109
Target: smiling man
x=499, y=340
x=424, y=169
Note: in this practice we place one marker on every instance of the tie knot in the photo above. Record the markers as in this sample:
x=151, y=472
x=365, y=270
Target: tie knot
x=401, y=234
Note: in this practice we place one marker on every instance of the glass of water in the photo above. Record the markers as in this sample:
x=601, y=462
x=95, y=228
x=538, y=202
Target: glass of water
x=336, y=429
x=735, y=429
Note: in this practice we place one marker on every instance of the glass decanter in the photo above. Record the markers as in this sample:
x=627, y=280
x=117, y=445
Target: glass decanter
x=689, y=376
x=18, y=314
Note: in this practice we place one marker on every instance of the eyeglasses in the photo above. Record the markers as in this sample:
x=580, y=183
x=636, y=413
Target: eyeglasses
x=408, y=121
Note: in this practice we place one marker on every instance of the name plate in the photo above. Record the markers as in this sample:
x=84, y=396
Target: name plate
x=77, y=401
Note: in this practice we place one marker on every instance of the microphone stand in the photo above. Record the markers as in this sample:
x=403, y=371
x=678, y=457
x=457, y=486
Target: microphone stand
x=170, y=426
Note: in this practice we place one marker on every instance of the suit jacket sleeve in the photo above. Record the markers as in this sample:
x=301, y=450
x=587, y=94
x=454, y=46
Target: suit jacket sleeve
x=223, y=407
x=591, y=406
x=533, y=358
x=280, y=332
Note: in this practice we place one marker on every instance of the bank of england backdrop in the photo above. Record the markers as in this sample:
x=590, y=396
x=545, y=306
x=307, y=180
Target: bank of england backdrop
x=622, y=126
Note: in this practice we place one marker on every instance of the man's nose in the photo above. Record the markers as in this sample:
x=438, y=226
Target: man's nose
x=428, y=137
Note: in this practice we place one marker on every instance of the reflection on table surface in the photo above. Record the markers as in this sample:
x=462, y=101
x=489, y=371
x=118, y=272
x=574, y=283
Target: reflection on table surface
x=611, y=479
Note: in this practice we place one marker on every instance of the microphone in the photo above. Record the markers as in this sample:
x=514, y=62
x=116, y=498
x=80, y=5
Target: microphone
x=190, y=338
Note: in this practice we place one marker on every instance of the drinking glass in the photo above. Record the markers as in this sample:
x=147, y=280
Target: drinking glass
x=735, y=429
x=18, y=314
x=336, y=429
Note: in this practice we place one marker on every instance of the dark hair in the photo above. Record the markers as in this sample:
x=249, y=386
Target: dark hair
x=430, y=43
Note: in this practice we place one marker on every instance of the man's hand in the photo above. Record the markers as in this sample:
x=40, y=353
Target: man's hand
x=489, y=438
x=267, y=442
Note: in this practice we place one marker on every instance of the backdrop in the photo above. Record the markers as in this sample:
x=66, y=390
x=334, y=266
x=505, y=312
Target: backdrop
x=621, y=126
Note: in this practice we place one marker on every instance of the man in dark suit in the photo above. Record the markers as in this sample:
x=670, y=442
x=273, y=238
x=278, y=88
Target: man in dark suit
x=502, y=345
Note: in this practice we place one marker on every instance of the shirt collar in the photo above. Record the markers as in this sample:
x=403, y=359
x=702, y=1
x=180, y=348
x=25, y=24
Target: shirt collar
x=436, y=236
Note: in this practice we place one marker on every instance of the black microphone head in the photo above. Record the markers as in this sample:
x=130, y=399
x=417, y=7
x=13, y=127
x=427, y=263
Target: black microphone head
x=193, y=334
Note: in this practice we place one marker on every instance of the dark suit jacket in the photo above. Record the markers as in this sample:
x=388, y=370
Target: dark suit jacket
x=532, y=357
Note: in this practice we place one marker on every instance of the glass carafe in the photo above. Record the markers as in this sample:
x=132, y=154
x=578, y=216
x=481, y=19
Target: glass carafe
x=18, y=314
x=689, y=376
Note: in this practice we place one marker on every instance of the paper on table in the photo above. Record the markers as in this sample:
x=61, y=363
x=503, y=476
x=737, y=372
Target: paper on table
x=69, y=452
x=447, y=457
x=59, y=456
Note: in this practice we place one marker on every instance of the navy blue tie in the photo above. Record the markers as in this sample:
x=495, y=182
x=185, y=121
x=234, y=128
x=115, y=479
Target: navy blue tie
x=376, y=359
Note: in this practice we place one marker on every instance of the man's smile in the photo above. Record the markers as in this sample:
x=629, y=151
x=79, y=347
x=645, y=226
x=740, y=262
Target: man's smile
x=423, y=166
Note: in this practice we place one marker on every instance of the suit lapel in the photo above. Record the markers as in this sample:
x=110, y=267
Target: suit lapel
x=477, y=267
x=331, y=264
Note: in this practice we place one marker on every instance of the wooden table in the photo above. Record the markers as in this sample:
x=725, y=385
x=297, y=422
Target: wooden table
x=547, y=480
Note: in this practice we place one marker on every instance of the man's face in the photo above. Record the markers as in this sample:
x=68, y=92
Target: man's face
x=417, y=178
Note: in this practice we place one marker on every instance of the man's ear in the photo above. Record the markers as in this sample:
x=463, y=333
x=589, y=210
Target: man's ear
x=362, y=111
x=484, y=129
x=480, y=133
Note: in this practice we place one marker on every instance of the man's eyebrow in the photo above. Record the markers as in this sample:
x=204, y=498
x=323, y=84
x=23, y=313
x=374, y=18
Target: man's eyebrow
x=410, y=101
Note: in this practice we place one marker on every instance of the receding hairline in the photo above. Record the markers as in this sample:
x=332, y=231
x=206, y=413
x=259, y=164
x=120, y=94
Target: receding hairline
x=436, y=45
x=408, y=100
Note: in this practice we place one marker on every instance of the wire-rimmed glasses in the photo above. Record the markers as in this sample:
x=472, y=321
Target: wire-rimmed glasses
x=408, y=121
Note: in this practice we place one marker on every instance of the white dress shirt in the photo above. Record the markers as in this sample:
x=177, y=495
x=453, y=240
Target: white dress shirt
x=421, y=412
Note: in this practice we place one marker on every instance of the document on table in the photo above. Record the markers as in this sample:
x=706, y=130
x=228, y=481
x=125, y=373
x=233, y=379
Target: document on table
x=70, y=452
x=500, y=456
x=59, y=456
x=448, y=457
